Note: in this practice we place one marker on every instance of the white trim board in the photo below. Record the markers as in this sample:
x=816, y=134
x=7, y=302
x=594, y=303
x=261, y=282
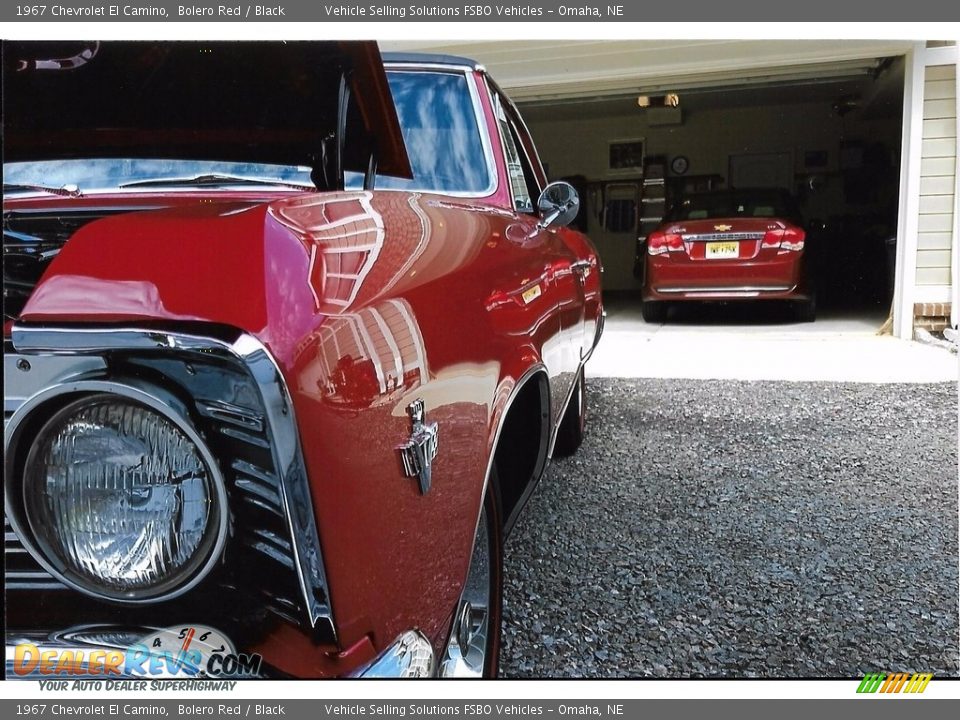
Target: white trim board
x=905, y=286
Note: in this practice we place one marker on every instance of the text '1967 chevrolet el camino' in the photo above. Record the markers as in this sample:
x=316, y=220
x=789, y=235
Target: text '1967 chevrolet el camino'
x=291, y=332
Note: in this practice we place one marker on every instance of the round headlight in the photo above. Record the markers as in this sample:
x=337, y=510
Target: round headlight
x=120, y=501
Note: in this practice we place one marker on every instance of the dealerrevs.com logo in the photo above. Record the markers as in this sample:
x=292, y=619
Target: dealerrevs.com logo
x=894, y=683
x=185, y=652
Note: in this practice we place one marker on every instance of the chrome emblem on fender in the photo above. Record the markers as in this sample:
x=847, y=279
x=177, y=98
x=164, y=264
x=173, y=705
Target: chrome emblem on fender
x=419, y=451
x=722, y=228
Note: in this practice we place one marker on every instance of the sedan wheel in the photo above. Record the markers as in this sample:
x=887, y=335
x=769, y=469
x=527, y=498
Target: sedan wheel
x=806, y=310
x=473, y=649
x=654, y=311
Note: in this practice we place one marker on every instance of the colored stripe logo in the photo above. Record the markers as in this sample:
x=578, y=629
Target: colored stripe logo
x=894, y=682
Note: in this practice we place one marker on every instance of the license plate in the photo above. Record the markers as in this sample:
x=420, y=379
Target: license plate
x=723, y=249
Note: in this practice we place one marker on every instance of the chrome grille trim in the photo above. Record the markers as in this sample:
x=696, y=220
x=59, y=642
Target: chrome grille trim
x=259, y=487
x=281, y=429
x=22, y=571
x=255, y=496
x=229, y=413
x=272, y=546
x=244, y=437
x=710, y=237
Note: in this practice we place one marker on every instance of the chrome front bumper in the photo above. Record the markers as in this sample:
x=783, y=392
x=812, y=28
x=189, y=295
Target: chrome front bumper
x=410, y=656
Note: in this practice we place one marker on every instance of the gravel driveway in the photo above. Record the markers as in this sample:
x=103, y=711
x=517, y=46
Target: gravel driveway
x=737, y=529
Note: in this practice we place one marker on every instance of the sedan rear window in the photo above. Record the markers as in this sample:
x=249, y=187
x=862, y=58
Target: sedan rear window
x=713, y=206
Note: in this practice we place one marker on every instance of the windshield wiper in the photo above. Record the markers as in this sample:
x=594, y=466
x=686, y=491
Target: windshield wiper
x=69, y=190
x=213, y=179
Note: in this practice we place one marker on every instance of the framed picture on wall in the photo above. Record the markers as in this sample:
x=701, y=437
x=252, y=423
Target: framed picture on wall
x=626, y=157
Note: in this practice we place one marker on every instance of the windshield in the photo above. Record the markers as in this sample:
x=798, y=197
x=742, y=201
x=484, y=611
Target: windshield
x=112, y=173
x=440, y=130
x=437, y=118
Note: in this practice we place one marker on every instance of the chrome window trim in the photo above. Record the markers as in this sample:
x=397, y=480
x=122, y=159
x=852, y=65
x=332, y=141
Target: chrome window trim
x=493, y=178
x=494, y=95
x=534, y=162
x=281, y=422
x=252, y=188
x=162, y=403
x=496, y=104
x=434, y=66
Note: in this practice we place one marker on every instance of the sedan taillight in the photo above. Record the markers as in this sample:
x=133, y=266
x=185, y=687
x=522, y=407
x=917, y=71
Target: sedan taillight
x=793, y=238
x=660, y=242
x=771, y=239
x=789, y=238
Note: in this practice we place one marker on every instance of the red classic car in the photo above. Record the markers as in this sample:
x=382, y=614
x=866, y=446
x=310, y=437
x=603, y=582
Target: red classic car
x=291, y=332
x=728, y=245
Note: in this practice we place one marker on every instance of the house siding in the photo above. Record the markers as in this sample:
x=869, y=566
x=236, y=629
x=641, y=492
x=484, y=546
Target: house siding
x=938, y=180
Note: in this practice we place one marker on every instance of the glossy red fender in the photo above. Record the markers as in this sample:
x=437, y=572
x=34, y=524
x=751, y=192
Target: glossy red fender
x=368, y=301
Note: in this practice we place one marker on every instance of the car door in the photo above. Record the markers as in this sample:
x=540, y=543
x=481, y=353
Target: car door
x=563, y=268
x=579, y=266
x=587, y=270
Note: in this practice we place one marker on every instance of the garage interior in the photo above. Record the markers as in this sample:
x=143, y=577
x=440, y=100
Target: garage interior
x=828, y=132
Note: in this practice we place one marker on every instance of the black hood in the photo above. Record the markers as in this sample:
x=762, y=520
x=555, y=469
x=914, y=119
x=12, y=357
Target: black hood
x=269, y=102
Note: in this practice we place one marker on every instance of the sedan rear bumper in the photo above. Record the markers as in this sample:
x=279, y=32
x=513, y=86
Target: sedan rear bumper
x=733, y=291
x=670, y=279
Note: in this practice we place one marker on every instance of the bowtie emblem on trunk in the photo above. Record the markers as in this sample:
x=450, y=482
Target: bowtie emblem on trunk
x=722, y=228
x=419, y=451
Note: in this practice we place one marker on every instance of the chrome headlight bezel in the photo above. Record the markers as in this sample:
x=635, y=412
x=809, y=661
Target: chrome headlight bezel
x=45, y=405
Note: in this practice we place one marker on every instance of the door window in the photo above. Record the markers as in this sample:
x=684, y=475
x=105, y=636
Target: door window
x=519, y=182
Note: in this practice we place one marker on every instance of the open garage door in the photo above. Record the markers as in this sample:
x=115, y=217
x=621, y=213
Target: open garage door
x=639, y=125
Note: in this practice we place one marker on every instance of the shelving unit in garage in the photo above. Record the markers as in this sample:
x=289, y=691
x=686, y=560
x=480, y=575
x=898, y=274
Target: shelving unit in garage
x=653, y=202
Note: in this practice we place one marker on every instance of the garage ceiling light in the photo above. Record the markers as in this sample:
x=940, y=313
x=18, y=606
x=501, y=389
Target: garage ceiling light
x=668, y=100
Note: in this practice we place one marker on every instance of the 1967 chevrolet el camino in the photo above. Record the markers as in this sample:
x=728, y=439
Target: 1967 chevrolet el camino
x=291, y=332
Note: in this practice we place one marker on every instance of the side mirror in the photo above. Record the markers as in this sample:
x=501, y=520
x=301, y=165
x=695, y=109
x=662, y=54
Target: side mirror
x=558, y=205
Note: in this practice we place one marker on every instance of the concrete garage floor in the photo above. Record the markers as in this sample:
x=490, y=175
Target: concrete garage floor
x=742, y=529
x=760, y=341
x=724, y=520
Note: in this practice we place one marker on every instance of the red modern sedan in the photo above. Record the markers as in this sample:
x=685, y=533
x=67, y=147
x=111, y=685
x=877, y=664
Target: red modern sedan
x=728, y=245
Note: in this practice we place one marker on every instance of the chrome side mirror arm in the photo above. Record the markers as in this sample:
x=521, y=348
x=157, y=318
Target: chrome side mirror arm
x=558, y=205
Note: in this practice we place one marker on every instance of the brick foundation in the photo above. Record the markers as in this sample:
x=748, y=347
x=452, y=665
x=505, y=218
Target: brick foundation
x=933, y=317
